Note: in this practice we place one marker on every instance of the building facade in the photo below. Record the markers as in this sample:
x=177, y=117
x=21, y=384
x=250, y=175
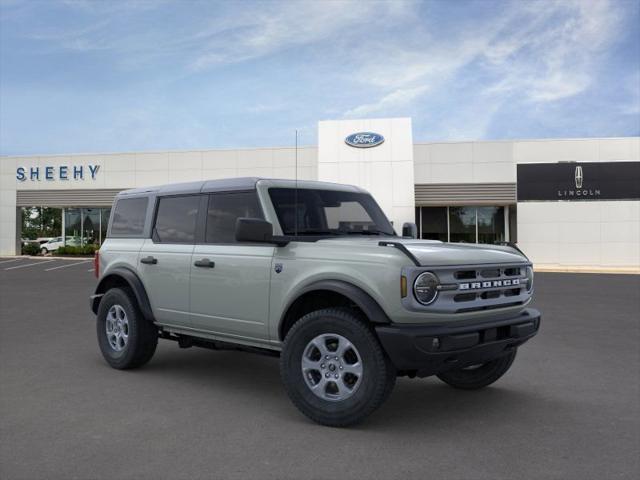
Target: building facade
x=568, y=203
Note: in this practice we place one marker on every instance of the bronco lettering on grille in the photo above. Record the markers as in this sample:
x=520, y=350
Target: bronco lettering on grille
x=489, y=284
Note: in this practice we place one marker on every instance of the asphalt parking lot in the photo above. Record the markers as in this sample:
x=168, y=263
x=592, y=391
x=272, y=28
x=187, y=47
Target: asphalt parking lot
x=569, y=407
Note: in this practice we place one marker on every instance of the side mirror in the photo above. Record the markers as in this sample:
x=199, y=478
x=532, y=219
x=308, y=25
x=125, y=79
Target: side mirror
x=253, y=230
x=409, y=230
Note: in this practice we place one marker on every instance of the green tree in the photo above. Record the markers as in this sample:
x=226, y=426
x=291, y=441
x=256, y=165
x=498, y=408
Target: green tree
x=41, y=222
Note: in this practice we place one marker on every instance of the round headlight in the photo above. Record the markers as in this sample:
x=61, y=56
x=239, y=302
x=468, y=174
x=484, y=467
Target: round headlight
x=529, y=279
x=425, y=288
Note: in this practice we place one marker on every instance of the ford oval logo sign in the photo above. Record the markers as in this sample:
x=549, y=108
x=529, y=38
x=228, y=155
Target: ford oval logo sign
x=364, y=139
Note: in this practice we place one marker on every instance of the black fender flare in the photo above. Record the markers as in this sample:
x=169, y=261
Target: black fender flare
x=358, y=296
x=133, y=281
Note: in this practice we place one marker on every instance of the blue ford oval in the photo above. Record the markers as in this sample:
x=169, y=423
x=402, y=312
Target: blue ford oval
x=364, y=139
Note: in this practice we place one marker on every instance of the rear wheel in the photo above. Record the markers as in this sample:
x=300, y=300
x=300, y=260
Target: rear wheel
x=126, y=338
x=334, y=368
x=478, y=376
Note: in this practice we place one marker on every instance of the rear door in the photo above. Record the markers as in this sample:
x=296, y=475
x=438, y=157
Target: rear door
x=165, y=259
x=230, y=280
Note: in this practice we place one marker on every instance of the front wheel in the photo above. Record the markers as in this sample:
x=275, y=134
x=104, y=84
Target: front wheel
x=478, y=376
x=126, y=338
x=44, y=251
x=334, y=368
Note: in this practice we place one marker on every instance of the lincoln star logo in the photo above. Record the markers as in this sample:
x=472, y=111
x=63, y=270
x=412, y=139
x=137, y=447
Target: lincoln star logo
x=489, y=284
x=364, y=139
x=579, y=177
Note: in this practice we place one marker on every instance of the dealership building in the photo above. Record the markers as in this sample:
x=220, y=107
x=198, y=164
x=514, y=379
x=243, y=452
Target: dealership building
x=567, y=203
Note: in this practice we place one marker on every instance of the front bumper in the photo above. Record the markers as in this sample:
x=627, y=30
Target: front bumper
x=428, y=350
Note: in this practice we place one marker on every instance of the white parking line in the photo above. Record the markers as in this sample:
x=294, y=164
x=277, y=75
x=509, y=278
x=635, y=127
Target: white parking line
x=65, y=266
x=9, y=261
x=91, y=270
x=30, y=265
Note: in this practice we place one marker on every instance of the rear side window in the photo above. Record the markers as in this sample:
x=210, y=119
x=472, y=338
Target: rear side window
x=224, y=209
x=128, y=217
x=176, y=219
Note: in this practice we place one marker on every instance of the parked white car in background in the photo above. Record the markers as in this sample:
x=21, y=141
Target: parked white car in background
x=52, y=245
x=57, y=242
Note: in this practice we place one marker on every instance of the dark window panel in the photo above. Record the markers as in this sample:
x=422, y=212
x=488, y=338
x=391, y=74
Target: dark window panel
x=223, y=211
x=128, y=218
x=434, y=223
x=462, y=222
x=176, y=219
x=490, y=224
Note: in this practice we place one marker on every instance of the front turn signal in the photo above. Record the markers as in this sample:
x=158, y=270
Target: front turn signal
x=403, y=286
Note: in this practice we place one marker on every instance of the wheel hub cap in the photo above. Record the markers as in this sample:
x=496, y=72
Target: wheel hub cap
x=332, y=367
x=117, y=328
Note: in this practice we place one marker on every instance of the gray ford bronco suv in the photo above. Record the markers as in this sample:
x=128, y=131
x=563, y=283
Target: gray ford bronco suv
x=315, y=273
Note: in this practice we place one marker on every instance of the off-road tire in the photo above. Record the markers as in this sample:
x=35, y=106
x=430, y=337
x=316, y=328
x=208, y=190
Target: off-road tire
x=378, y=377
x=480, y=377
x=142, y=334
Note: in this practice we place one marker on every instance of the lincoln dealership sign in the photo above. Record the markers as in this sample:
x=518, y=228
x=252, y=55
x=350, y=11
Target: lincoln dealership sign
x=364, y=140
x=575, y=181
x=60, y=172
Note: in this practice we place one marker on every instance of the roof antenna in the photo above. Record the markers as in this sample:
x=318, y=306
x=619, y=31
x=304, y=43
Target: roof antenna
x=295, y=195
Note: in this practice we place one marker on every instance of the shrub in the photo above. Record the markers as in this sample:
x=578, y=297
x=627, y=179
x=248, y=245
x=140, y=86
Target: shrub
x=31, y=249
x=83, y=250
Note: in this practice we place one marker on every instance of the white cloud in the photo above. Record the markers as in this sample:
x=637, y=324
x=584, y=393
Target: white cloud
x=539, y=51
x=256, y=33
x=396, y=99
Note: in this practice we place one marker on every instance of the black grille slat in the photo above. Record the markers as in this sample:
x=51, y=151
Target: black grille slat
x=492, y=273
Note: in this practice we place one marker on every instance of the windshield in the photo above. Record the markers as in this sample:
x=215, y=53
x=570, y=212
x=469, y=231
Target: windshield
x=328, y=212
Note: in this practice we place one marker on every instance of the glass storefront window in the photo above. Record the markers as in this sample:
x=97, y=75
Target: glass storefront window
x=85, y=226
x=466, y=224
x=90, y=226
x=73, y=226
x=462, y=224
x=490, y=224
x=434, y=223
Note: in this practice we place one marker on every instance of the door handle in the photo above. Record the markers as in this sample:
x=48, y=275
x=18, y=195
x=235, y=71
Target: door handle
x=149, y=260
x=205, y=262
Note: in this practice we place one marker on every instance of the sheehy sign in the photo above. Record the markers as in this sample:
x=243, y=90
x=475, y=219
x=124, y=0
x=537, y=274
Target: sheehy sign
x=60, y=172
x=575, y=181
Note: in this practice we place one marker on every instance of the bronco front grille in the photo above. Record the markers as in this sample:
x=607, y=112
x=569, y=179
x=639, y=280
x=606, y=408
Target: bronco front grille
x=476, y=288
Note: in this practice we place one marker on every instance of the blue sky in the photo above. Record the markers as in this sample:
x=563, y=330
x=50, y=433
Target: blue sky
x=104, y=76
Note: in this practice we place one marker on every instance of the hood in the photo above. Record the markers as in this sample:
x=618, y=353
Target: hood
x=435, y=253
x=442, y=254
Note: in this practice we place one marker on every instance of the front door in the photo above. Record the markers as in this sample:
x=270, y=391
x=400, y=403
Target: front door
x=165, y=259
x=230, y=280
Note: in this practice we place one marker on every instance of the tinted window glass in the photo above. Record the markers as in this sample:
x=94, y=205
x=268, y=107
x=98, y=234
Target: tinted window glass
x=128, y=218
x=328, y=212
x=176, y=219
x=224, y=210
x=490, y=224
x=434, y=223
x=462, y=224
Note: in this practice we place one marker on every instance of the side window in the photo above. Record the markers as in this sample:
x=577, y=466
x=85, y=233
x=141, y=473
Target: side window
x=176, y=219
x=128, y=217
x=224, y=209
